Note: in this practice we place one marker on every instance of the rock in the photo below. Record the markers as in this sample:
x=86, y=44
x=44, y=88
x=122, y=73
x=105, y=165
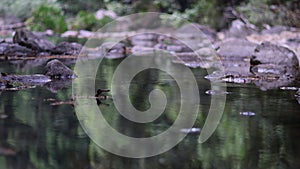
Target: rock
x=57, y=70
x=3, y=83
x=247, y=113
x=101, y=13
x=70, y=34
x=28, y=39
x=277, y=29
x=289, y=88
x=235, y=54
x=190, y=130
x=297, y=95
x=10, y=49
x=216, y=92
x=85, y=34
x=66, y=48
x=235, y=49
x=270, y=59
x=239, y=29
x=206, y=30
x=269, y=82
x=114, y=52
x=36, y=79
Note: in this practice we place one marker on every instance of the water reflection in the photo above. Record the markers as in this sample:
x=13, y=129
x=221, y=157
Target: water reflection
x=35, y=134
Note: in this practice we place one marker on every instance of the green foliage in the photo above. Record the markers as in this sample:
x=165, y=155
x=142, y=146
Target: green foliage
x=22, y=8
x=47, y=17
x=203, y=12
x=88, y=21
x=72, y=7
x=271, y=12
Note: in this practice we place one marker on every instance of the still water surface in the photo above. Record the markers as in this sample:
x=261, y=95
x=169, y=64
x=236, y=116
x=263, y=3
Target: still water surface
x=38, y=135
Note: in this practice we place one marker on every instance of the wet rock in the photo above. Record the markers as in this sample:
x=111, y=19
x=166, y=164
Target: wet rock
x=36, y=79
x=269, y=82
x=189, y=59
x=3, y=83
x=273, y=60
x=144, y=43
x=28, y=39
x=66, y=48
x=57, y=70
x=215, y=76
x=11, y=49
x=297, y=95
x=140, y=50
x=216, y=92
x=235, y=49
x=117, y=51
x=144, y=37
x=70, y=34
x=277, y=29
x=289, y=88
x=268, y=69
x=239, y=29
x=145, y=40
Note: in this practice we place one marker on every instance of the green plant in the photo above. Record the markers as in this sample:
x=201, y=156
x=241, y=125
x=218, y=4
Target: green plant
x=271, y=12
x=88, y=21
x=22, y=9
x=47, y=17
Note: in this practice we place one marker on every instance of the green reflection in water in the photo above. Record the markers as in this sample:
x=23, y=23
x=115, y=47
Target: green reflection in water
x=38, y=135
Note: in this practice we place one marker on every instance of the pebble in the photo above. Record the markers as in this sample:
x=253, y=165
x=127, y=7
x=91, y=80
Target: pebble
x=216, y=92
x=191, y=130
x=3, y=116
x=288, y=88
x=247, y=113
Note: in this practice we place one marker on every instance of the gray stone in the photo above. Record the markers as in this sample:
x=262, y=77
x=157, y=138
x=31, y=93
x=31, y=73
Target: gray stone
x=57, y=70
x=10, y=49
x=239, y=29
x=28, y=39
x=274, y=60
x=235, y=49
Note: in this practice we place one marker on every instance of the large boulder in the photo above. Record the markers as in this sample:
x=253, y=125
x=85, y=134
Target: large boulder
x=273, y=60
x=57, y=70
x=28, y=39
x=235, y=49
